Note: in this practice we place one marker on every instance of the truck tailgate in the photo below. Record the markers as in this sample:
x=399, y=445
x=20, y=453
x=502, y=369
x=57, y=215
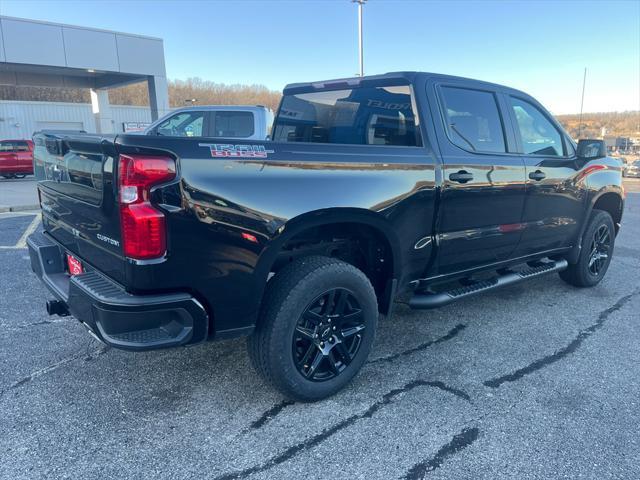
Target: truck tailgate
x=78, y=198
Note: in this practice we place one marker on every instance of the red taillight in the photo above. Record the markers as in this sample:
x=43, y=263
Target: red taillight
x=143, y=226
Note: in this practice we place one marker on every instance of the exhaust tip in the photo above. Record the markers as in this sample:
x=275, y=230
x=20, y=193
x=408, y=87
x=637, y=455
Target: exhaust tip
x=56, y=307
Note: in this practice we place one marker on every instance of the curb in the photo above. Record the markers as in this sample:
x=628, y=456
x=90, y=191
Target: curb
x=19, y=208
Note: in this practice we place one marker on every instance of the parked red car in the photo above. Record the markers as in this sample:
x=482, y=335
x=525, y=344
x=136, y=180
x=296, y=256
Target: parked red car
x=16, y=158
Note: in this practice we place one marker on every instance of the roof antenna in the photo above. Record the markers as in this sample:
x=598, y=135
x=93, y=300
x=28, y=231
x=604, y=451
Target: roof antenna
x=584, y=82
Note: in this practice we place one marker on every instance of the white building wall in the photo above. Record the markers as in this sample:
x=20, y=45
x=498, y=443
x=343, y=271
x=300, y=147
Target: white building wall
x=21, y=119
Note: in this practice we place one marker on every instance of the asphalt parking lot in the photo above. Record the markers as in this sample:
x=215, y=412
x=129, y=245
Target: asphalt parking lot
x=18, y=194
x=537, y=380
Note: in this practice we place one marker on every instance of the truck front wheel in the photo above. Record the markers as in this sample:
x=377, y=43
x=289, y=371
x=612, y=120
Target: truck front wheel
x=316, y=328
x=597, y=248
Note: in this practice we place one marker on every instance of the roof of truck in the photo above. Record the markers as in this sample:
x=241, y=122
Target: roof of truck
x=219, y=107
x=409, y=76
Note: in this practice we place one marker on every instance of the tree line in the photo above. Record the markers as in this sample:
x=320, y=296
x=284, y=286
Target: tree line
x=618, y=124
x=181, y=92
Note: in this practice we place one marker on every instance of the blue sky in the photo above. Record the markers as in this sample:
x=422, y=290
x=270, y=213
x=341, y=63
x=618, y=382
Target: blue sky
x=541, y=47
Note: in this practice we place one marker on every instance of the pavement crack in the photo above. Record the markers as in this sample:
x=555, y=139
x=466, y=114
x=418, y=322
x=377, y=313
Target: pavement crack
x=454, y=391
x=450, y=334
x=460, y=441
x=268, y=415
x=55, y=366
x=317, y=439
x=44, y=322
x=564, y=351
x=45, y=370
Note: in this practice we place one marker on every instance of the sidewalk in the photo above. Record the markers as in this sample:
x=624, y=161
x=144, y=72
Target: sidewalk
x=17, y=195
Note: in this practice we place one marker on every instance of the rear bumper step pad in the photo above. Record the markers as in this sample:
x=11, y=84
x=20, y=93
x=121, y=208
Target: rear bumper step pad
x=114, y=316
x=426, y=300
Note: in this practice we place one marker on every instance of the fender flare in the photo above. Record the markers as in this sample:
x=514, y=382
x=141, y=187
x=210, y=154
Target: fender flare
x=574, y=253
x=329, y=216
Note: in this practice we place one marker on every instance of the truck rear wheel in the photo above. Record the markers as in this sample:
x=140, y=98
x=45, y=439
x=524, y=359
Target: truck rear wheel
x=316, y=328
x=597, y=249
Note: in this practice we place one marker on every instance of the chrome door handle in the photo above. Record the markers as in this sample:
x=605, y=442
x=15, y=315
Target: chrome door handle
x=461, y=177
x=537, y=175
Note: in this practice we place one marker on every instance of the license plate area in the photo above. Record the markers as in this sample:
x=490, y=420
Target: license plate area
x=74, y=266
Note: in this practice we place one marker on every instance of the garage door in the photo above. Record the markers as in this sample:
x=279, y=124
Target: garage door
x=60, y=126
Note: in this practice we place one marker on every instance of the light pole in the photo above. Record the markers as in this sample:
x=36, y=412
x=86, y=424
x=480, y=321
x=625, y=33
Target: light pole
x=360, y=44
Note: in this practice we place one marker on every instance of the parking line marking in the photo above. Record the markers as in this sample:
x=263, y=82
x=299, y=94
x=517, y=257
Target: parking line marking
x=22, y=243
x=18, y=214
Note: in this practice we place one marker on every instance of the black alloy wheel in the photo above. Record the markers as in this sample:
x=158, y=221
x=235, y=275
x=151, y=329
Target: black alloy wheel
x=598, y=242
x=599, y=249
x=328, y=335
x=316, y=327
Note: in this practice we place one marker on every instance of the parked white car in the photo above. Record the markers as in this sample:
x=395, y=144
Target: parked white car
x=248, y=122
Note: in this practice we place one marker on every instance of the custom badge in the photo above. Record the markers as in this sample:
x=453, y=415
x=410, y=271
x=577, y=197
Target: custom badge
x=239, y=151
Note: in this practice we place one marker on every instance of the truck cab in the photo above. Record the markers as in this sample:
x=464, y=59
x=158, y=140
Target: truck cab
x=248, y=122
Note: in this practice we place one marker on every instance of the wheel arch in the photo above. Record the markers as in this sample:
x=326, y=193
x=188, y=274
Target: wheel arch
x=337, y=218
x=611, y=200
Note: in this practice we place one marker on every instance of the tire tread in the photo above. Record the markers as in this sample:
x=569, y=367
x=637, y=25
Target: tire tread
x=279, y=290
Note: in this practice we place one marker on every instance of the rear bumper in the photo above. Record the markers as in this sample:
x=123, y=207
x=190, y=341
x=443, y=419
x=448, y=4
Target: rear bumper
x=119, y=319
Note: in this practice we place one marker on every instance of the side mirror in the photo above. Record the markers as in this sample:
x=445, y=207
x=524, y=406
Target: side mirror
x=590, y=149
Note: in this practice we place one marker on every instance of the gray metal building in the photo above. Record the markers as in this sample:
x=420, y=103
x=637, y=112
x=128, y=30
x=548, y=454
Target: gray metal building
x=35, y=53
x=19, y=119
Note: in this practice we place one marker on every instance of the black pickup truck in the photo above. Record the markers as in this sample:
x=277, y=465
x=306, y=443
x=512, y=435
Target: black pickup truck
x=419, y=186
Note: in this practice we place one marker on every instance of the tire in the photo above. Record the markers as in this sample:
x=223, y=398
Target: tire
x=309, y=342
x=591, y=267
x=20, y=175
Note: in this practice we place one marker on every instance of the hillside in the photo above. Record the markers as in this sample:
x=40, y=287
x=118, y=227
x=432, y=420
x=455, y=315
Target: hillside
x=619, y=124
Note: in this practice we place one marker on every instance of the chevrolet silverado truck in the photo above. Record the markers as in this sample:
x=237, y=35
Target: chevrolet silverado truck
x=414, y=186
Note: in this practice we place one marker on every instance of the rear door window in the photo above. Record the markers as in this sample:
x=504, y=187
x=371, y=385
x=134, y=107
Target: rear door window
x=472, y=119
x=183, y=124
x=14, y=146
x=538, y=135
x=232, y=124
x=361, y=116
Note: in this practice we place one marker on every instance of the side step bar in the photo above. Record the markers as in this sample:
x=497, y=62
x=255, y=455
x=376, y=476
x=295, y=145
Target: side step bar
x=426, y=300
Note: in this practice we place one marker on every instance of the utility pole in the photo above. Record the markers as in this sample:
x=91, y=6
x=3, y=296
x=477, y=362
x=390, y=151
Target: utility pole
x=360, y=43
x=584, y=82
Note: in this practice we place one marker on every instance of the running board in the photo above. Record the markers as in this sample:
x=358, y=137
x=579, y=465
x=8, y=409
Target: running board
x=426, y=300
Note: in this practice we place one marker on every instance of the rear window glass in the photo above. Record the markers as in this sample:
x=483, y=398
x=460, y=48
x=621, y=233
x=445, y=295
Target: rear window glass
x=233, y=124
x=14, y=146
x=362, y=116
x=473, y=120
